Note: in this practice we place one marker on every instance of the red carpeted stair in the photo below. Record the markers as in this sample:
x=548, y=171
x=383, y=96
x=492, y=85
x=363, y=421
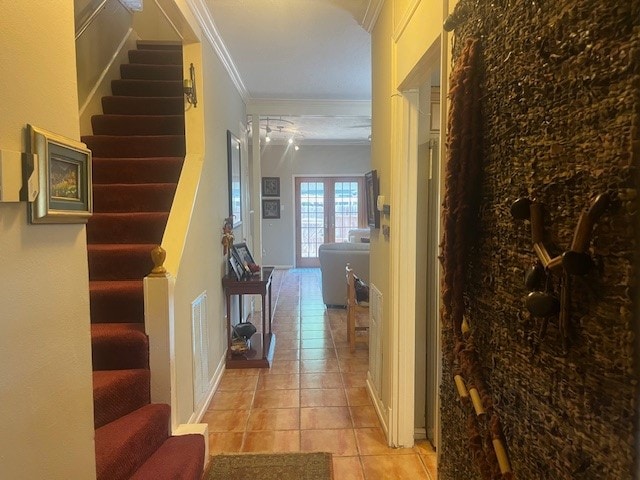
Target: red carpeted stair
x=138, y=149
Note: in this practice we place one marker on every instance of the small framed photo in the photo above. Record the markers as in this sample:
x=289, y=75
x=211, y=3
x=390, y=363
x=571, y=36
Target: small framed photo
x=270, y=208
x=270, y=186
x=64, y=178
x=242, y=253
x=237, y=270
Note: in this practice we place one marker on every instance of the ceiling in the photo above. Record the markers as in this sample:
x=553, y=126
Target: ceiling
x=288, y=54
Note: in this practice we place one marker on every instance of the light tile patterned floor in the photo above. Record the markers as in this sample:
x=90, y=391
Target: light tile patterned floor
x=314, y=396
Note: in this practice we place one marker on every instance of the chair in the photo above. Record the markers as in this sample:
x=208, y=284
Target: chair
x=353, y=308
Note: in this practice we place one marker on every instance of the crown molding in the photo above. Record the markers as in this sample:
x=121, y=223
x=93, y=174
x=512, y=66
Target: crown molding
x=371, y=15
x=268, y=106
x=208, y=26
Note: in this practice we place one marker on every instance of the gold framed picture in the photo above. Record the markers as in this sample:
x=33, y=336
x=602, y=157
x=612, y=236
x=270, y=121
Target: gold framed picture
x=64, y=179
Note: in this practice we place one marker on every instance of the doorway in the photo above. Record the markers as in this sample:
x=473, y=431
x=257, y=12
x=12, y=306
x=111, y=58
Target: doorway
x=326, y=209
x=415, y=369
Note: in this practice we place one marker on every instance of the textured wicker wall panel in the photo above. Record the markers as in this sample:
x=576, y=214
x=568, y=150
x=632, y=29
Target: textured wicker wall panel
x=561, y=114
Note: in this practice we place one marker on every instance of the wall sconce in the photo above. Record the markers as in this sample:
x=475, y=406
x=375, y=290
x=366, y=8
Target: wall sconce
x=189, y=87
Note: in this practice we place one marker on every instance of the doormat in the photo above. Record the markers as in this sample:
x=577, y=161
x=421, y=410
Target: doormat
x=277, y=466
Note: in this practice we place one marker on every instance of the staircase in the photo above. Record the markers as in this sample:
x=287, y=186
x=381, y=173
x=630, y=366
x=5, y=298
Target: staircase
x=138, y=149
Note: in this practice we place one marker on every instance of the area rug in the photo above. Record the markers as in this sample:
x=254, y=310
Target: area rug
x=277, y=466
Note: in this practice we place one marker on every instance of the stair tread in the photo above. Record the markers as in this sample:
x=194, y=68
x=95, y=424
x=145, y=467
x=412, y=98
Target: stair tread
x=179, y=458
x=119, y=346
x=118, y=261
x=172, y=159
x=123, y=296
x=104, y=330
x=135, y=145
x=136, y=87
x=116, y=215
x=117, y=247
x=159, y=44
x=141, y=81
x=155, y=56
x=101, y=285
x=152, y=197
x=119, y=392
x=143, y=105
x=126, y=228
x=150, y=71
x=124, y=138
x=137, y=185
x=135, y=125
x=125, y=444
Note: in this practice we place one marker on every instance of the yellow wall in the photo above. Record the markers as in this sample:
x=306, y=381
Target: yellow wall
x=404, y=32
x=381, y=151
x=45, y=357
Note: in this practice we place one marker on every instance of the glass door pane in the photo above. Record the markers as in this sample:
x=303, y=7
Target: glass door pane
x=326, y=209
x=312, y=218
x=346, y=213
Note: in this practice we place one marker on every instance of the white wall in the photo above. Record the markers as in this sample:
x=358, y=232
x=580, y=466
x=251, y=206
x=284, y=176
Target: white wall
x=278, y=235
x=45, y=357
x=202, y=264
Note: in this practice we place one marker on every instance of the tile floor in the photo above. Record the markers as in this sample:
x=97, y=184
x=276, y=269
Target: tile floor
x=313, y=398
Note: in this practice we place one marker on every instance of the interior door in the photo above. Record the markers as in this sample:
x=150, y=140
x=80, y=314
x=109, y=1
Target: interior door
x=326, y=209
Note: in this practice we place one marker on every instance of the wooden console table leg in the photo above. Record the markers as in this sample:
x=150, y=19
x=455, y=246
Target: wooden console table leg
x=264, y=330
x=270, y=309
x=228, y=325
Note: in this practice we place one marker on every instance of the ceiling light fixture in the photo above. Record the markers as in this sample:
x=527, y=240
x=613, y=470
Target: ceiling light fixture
x=267, y=137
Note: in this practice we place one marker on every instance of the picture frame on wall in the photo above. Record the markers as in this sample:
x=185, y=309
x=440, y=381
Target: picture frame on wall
x=270, y=208
x=235, y=178
x=270, y=186
x=371, y=196
x=64, y=178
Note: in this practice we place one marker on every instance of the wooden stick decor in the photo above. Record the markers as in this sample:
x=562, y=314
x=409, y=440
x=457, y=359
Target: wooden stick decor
x=477, y=403
x=463, y=173
x=462, y=389
x=575, y=261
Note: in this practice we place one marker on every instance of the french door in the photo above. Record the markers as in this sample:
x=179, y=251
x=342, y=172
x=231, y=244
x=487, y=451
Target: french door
x=326, y=209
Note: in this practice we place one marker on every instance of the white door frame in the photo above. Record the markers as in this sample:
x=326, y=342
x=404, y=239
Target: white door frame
x=403, y=271
x=403, y=245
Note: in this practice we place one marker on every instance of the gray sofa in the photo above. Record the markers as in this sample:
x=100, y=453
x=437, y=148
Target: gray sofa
x=333, y=260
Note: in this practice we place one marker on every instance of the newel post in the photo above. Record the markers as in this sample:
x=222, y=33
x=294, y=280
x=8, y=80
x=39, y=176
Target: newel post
x=159, y=288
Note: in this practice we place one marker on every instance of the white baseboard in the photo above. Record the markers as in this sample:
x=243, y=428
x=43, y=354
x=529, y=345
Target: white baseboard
x=379, y=407
x=420, y=433
x=213, y=386
x=194, y=426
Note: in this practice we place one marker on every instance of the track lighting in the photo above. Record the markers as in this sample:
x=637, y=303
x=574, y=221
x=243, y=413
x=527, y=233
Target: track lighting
x=290, y=141
x=296, y=148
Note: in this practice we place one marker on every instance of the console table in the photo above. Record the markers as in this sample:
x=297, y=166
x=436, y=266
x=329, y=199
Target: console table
x=262, y=343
